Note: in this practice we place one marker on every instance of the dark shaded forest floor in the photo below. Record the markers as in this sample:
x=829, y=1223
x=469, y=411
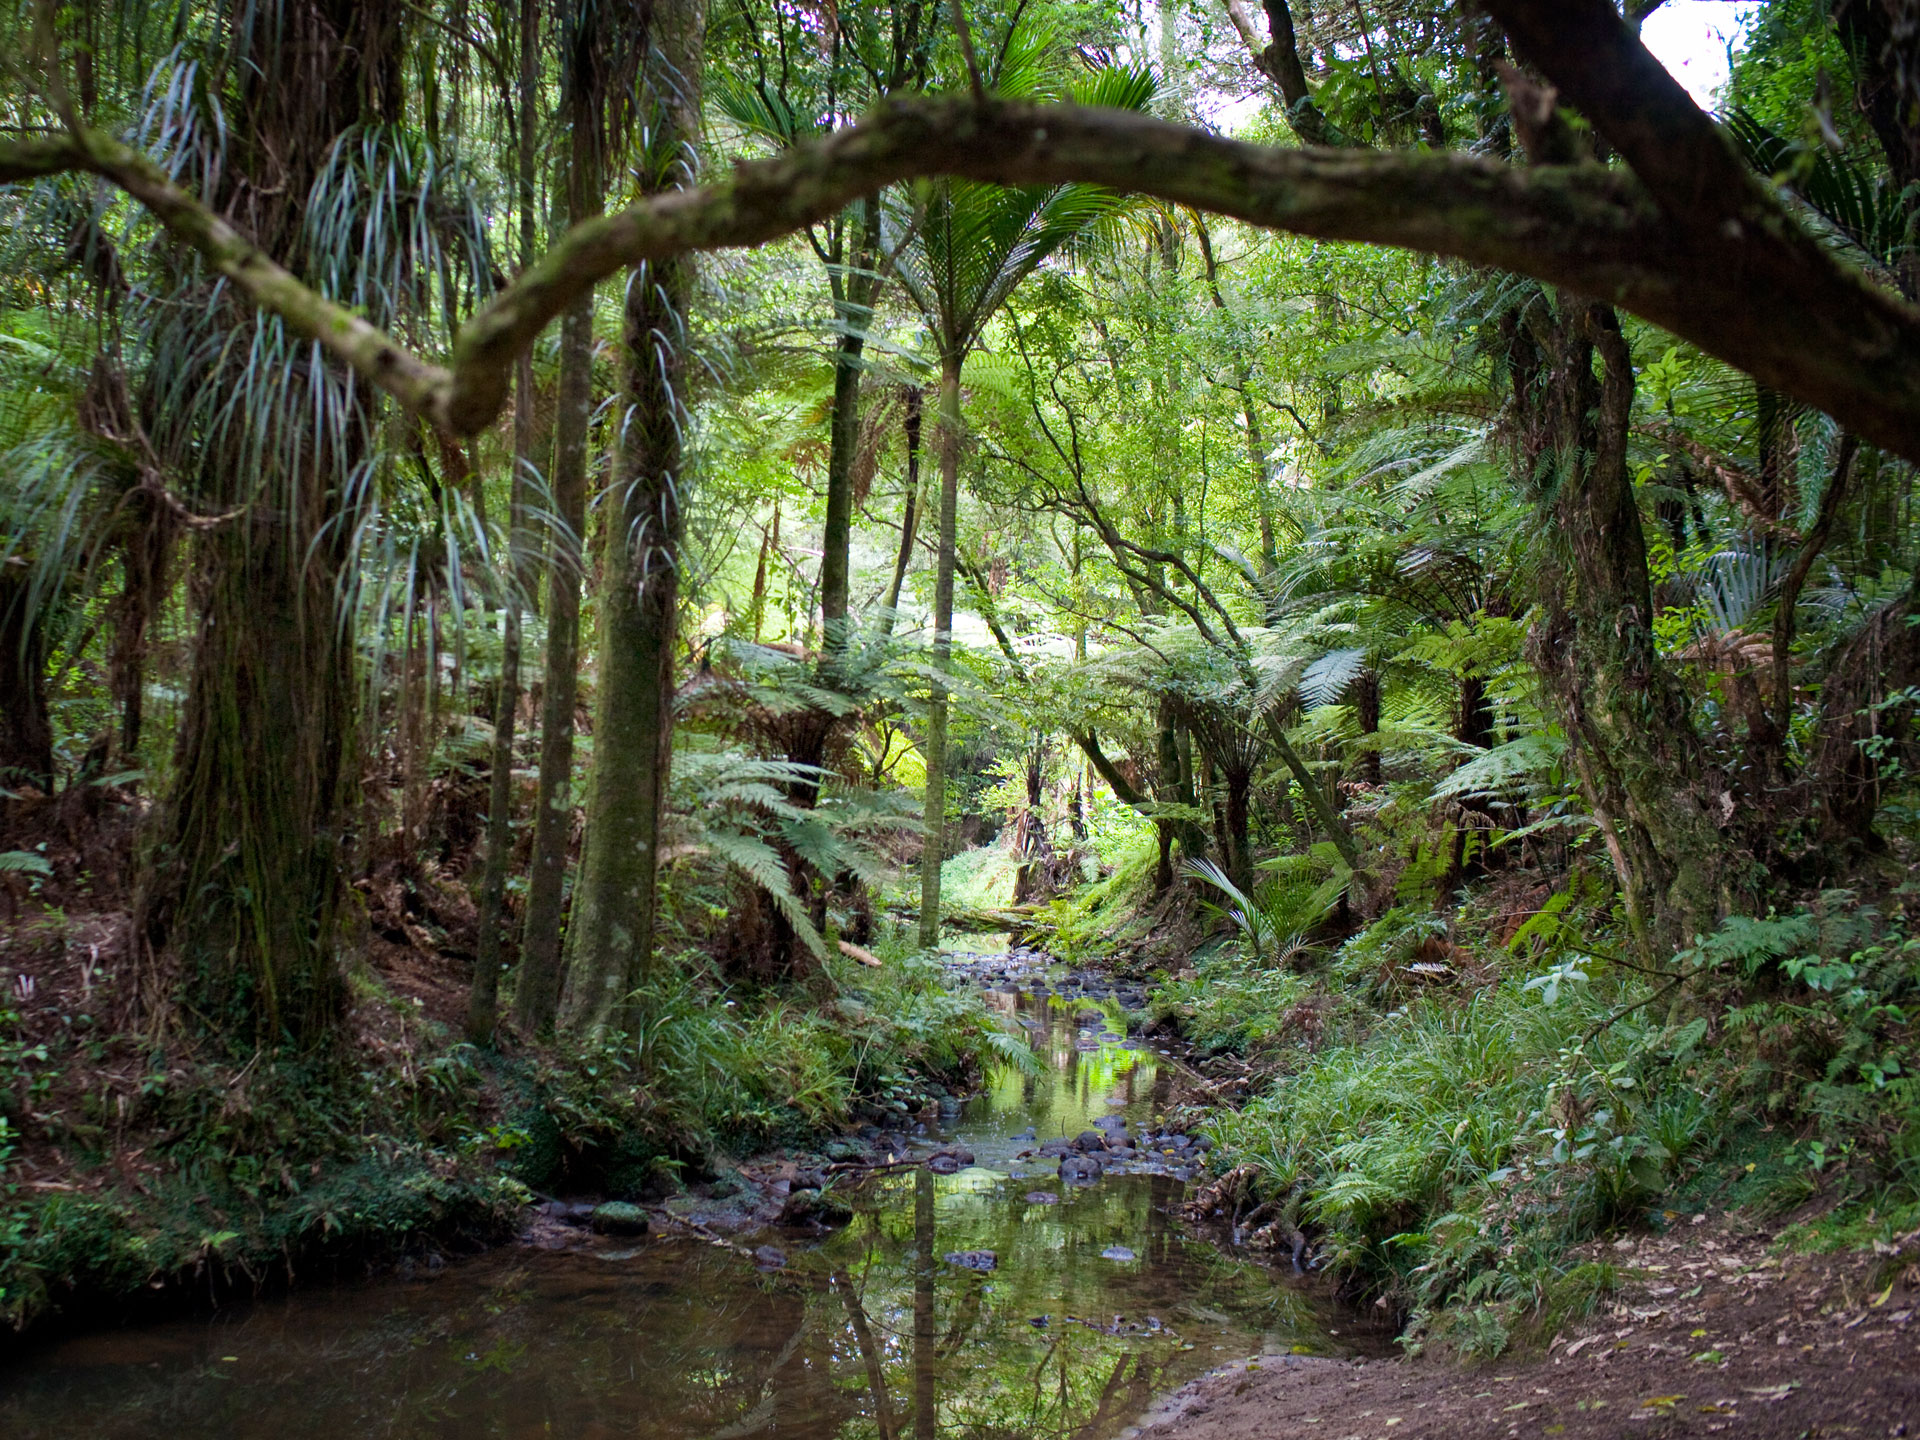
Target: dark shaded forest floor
x=78, y=1068
x=1712, y=1331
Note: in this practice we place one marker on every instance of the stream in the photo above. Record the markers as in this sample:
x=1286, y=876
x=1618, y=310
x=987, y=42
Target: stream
x=1000, y=1300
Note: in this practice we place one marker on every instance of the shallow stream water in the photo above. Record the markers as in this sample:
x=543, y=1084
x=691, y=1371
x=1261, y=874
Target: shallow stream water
x=1095, y=1303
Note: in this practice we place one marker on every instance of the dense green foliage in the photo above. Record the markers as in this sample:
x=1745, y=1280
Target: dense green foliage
x=1492, y=713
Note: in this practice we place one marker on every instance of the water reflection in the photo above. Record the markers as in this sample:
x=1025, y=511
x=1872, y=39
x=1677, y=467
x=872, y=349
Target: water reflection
x=869, y=1334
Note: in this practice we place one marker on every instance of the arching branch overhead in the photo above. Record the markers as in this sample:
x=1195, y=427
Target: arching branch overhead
x=1707, y=253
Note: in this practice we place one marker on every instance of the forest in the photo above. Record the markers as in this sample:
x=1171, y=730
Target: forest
x=657, y=618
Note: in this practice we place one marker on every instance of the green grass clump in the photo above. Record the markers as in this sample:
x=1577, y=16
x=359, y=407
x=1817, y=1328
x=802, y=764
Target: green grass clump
x=1231, y=1003
x=1451, y=1152
x=978, y=879
x=1448, y=1151
x=1089, y=921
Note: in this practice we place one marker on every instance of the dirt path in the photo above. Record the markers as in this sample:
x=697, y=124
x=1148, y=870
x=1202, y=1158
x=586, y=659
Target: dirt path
x=1709, y=1334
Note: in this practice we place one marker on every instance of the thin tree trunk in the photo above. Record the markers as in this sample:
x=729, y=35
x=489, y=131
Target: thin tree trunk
x=769, y=543
x=1256, y=436
x=616, y=900
x=1324, y=810
x=538, y=994
x=936, y=751
x=483, y=1007
x=910, y=519
x=925, y=1419
x=870, y=1356
x=855, y=313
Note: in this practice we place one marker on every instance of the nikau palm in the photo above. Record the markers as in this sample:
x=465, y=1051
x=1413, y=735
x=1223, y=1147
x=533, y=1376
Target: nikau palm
x=963, y=251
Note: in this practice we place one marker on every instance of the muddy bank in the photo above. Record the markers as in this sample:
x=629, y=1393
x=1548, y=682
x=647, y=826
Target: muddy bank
x=1711, y=1332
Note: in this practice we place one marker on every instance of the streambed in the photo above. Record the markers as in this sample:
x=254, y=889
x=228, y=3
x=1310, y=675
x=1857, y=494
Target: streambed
x=998, y=1300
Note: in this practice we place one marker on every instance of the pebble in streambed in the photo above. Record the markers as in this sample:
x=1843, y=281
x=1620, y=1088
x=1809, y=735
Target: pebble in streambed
x=1111, y=1149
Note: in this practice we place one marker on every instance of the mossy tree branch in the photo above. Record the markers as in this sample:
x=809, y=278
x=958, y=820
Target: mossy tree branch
x=1748, y=285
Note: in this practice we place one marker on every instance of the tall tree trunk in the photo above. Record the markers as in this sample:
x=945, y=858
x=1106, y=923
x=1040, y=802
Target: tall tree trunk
x=246, y=892
x=1238, y=835
x=853, y=308
x=483, y=1009
x=26, y=720
x=537, y=996
x=1366, y=706
x=1657, y=799
x=1256, y=434
x=236, y=917
x=615, y=902
x=936, y=751
x=854, y=293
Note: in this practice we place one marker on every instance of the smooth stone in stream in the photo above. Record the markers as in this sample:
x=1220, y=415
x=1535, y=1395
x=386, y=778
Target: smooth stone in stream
x=1080, y=1170
x=617, y=1217
x=1042, y=1197
x=815, y=1207
x=768, y=1258
x=980, y=1260
x=1118, y=1252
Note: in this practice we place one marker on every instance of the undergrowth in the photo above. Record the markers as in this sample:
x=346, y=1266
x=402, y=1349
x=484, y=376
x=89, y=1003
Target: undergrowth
x=1448, y=1116
x=249, y=1175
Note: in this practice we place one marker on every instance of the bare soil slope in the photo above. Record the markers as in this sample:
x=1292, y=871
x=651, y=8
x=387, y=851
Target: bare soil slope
x=1712, y=1333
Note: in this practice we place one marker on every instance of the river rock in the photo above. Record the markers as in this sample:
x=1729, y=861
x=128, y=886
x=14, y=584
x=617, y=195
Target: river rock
x=1042, y=1197
x=981, y=1260
x=768, y=1258
x=844, y=1150
x=1055, y=1149
x=1080, y=1170
x=1118, y=1252
x=569, y=1212
x=1089, y=1140
x=809, y=1206
x=617, y=1217
x=950, y=1161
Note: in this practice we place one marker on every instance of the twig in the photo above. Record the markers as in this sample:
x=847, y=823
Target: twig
x=711, y=1237
x=1626, y=1010
x=966, y=49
